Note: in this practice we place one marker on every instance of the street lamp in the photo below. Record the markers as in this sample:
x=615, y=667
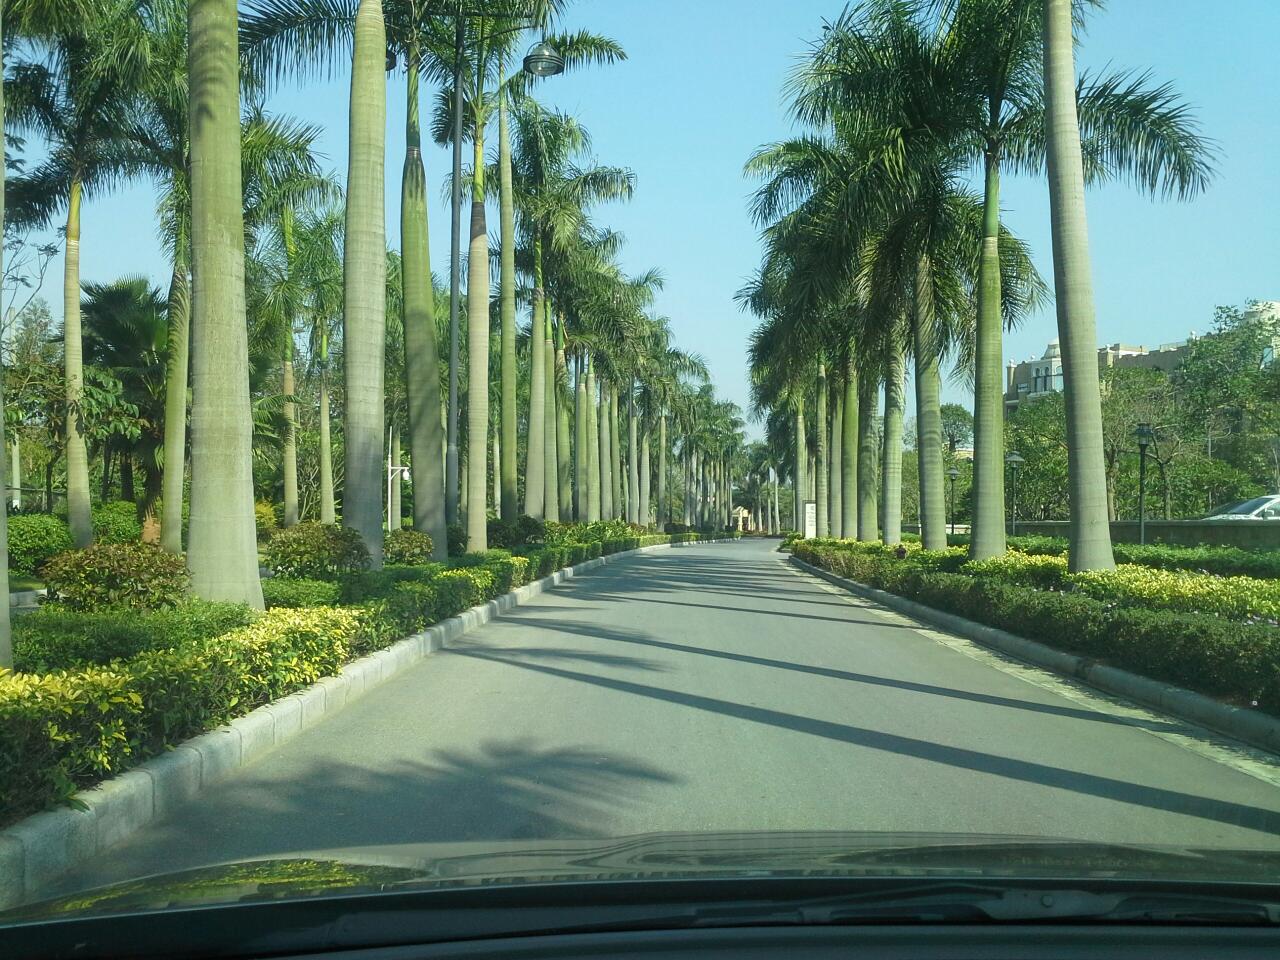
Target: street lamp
x=1014, y=461
x=1146, y=436
x=953, y=474
x=543, y=60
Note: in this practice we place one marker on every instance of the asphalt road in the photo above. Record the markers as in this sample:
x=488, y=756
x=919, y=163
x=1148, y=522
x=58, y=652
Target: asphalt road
x=718, y=688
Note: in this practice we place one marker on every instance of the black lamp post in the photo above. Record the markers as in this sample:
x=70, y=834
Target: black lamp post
x=953, y=474
x=1146, y=435
x=1014, y=461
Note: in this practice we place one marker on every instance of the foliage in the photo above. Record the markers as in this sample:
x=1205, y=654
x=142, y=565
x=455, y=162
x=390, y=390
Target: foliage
x=116, y=522
x=34, y=538
x=456, y=536
x=407, y=546
x=264, y=519
x=139, y=576
x=299, y=592
x=62, y=730
x=55, y=638
x=1236, y=661
x=317, y=551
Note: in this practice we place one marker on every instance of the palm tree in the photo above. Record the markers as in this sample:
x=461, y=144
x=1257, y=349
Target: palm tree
x=364, y=284
x=222, y=555
x=79, y=102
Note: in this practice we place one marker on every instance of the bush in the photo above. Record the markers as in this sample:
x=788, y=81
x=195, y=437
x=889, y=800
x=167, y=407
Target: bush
x=1234, y=598
x=379, y=584
x=264, y=518
x=318, y=551
x=294, y=592
x=500, y=533
x=116, y=521
x=459, y=590
x=61, y=731
x=55, y=638
x=34, y=538
x=407, y=546
x=139, y=576
x=529, y=530
x=455, y=539
x=508, y=573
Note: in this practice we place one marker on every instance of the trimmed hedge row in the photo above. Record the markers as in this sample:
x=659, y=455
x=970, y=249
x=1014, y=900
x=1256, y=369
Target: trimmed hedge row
x=1238, y=662
x=126, y=685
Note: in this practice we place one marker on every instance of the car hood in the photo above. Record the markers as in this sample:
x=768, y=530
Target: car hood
x=662, y=856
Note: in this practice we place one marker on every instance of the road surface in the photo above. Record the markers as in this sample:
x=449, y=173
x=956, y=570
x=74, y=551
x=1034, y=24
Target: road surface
x=716, y=687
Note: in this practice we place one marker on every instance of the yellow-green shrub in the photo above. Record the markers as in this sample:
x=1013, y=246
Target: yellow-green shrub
x=1234, y=598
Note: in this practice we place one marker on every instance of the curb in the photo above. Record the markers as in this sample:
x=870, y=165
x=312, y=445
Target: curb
x=37, y=850
x=1249, y=726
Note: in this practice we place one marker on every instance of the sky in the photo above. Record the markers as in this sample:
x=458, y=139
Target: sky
x=702, y=89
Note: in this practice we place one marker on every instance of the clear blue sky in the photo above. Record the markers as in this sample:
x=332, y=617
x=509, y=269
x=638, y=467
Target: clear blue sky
x=702, y=89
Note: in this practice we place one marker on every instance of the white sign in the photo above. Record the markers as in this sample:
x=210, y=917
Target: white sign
x=810, y=519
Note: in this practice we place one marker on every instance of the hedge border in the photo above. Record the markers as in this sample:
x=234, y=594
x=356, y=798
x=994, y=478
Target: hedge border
x=38, y=849
x=1250, y=726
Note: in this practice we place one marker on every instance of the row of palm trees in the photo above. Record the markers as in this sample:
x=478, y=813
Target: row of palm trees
x=879, y=255
x=153, y=88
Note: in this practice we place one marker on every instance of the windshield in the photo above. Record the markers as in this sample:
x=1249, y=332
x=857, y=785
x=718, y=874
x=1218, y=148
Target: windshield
x=524, y=443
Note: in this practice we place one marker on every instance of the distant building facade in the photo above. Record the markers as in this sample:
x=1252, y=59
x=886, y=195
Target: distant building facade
x=1043, y=375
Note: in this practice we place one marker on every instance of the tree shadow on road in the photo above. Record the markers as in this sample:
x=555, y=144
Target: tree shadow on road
x=512, y=789
x=1106, y=788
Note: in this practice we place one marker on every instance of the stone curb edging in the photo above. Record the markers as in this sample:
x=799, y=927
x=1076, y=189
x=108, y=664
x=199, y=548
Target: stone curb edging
x=36, y=850
x=1249, y=726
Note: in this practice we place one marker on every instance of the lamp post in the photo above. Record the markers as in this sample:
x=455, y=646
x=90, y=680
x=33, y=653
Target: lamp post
x=953, y=474
x=1146, y=435
x=1014, y=461
x=543, y=60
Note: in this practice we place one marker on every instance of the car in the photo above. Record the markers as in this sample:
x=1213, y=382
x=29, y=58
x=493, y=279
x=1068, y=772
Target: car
x=1258, y=508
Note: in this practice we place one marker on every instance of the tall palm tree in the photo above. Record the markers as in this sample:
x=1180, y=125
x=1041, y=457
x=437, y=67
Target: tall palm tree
x=222, y=555
x=364, y=284
x=79, y=102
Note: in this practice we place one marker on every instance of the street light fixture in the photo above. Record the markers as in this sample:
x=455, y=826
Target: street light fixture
x=543, y=60
x=1146, y=435
x=953, y=474
x=1014, y=461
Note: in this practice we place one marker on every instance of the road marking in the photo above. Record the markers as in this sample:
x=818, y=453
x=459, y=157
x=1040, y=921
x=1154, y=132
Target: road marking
x=1251, y=761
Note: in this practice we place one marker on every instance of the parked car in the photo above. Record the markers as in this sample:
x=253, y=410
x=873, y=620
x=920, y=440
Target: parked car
x=1259, y=508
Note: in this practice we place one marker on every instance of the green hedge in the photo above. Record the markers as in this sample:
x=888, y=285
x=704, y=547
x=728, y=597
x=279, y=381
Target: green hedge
x=55, y=638
x=127, y=685
x=63, y=730
x=1238, y=662
x=34, y=538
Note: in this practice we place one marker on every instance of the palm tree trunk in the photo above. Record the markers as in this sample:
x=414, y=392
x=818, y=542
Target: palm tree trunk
x=497, y=458
x=591, y=430
x=891, y=474
x=421, y=351
x=394, y=507
x=580, y=441
x=550, y=453
x=127, y=491
x=645, y=475
x=327, y=513
x=633, y=460
x=1089, y=547
x=364, y=285
x=6, y=635
x=78, y=510
x=821, y=474
x=802, y=456
x=777, y=506
x=507, y=300
x=987, y=536
x=477, y=340
x=223, y=547
x=849, y=452
x=175, y=403
x=868, y=406
x=564, y=432
x=535, y=455
x=289, y=456
x=835, y=488
x=606, y=456
x=615, y=453
x=663, y=513
x=928, y=383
